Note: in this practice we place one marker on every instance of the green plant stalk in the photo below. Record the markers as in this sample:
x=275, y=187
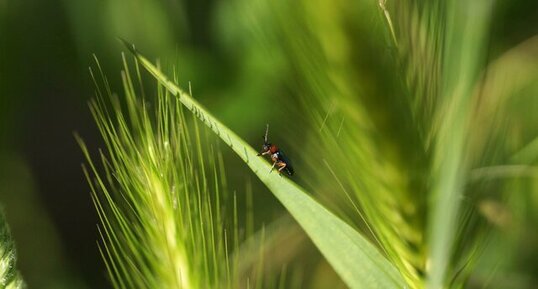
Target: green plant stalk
x=466, y=24
x=354, y=258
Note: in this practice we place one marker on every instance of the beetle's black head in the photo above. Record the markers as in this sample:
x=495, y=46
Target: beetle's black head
x=266, y=146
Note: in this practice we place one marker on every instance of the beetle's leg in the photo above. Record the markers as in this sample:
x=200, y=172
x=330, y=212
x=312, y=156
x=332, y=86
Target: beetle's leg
x=281, y=166
x=274, y=164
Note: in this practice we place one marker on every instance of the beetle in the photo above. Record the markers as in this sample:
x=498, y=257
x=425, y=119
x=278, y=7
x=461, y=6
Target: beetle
x=277, y=156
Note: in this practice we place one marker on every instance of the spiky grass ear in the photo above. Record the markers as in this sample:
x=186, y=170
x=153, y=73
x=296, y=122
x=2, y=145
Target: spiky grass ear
x=165, y=215
x=9, y=276
x=409, y=185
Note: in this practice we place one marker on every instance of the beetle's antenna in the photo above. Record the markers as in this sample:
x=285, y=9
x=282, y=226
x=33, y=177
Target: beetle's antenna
x=266, y=133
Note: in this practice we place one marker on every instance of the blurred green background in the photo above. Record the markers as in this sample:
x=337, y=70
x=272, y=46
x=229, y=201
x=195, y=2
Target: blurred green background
x=240, y=57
